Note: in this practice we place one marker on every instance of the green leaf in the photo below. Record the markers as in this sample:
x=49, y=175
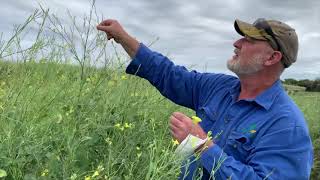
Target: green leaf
x=3, y=173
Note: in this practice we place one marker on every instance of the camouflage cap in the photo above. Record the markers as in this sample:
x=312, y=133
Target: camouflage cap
x=280, y=36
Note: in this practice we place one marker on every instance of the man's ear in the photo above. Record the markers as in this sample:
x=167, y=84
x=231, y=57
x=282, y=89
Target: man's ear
x=274, y=58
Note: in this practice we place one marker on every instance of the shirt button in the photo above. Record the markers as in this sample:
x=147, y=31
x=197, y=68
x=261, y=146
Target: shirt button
x=235, y=145
x=226, y=120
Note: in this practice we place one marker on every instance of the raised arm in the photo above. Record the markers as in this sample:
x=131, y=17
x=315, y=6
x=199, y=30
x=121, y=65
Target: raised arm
x=174, y=82
x=115, y=31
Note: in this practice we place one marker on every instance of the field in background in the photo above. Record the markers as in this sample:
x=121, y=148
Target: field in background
x=56, y=125
x=309, y=104
x=64, y=122
x=75, y=122
x=292, y=88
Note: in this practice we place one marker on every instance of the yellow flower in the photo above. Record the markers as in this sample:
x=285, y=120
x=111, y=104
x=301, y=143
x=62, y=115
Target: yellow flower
x=126, y=125
x=62, y=77
x=95, y=174
x=87, y=178
x=59, y=118
x=108, y=140
x=45, y=172
x=209, y=135
x=195, y=119
x=100, y=168
x=123, y=77
x=175, y=142
x=118, y=125
x=253, y=131
x=134, y=94
x=3, y=173
x=73, y=176
x=138, y=148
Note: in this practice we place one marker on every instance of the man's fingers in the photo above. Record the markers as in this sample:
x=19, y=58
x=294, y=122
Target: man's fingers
x=176, y=122
x=180, y=116
x=174, y=128
x=180, y=125
x=107, y=22
x=103, y=28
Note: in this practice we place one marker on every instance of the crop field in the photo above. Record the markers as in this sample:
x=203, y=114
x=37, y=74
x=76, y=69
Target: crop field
x=63, y=121
x=59, y=124
x=309, y=104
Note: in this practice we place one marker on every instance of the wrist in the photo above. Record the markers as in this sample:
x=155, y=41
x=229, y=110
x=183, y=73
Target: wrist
x=130, y=45
x=204, y=146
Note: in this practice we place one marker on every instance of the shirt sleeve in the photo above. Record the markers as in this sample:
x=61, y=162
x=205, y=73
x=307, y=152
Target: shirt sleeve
x=174, y=82
x=285, y=154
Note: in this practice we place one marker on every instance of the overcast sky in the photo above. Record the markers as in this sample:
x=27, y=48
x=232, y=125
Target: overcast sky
x=192, y=33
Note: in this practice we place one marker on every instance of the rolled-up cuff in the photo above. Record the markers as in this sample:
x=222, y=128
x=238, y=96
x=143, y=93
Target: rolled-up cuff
x=213, y=157
x=140, y=61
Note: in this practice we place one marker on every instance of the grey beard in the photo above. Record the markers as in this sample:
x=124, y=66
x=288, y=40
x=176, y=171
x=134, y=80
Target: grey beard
x=253, y=66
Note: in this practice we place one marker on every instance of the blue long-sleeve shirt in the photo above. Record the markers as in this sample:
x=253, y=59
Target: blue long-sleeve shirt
x=261, y=138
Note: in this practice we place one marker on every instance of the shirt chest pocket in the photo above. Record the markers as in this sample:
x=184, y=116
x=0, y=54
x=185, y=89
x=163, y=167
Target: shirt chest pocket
x=239, y=146
x=208, y=115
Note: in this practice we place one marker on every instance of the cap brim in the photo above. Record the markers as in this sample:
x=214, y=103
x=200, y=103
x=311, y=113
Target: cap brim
x=246, y=29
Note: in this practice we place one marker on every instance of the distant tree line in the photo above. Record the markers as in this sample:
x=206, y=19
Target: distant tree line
x=310, y=85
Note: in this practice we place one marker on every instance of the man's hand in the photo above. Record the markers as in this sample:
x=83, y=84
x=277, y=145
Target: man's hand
x=181, y=125
x=115, y=31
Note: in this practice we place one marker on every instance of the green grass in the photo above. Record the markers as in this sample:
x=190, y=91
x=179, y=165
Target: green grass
x=293, y=88
x=309, y=103
x=55, y=125
x=53, y=121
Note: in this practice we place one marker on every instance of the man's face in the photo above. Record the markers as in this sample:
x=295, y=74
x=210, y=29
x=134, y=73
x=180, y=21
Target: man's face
x=249, y=57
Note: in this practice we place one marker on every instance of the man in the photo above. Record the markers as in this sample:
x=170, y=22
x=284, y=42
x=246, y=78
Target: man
x=259, y=133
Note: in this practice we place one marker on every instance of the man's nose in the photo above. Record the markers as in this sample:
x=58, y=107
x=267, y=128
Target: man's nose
x=238, y=43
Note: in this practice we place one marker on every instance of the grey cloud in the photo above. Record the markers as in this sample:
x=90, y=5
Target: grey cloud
x=195, y=33
x=306, y=69
x=13, y=13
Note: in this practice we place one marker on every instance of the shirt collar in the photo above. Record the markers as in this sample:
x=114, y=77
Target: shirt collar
x=265, y=99
x=235, y=90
